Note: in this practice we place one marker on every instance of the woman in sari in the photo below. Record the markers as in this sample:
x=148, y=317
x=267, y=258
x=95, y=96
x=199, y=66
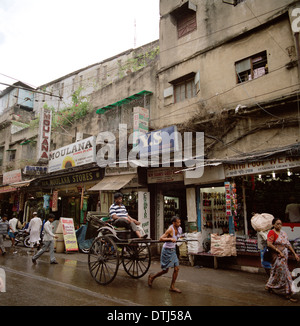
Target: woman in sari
x=280, y=278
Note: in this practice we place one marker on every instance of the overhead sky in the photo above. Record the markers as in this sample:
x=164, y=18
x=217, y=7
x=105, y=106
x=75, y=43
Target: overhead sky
x=41, y=40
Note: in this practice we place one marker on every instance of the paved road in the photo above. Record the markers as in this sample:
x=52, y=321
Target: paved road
x=70, y=284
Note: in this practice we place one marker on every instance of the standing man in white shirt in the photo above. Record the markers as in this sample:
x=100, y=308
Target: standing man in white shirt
x=292, y=211
x=34, y=229
x=48, y=241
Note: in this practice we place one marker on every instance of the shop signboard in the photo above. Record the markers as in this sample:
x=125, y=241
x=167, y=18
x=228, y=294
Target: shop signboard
x=75, y=178
x=161, y=175
x=144, y=210
x=6, y=189
x=259, y=167
x=69, y=234
x=44, y=139
x=12, y=176
x=159, y=141
x=76, y=154
x=35, y=170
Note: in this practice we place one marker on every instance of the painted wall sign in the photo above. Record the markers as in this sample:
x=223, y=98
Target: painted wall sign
x=76, y=154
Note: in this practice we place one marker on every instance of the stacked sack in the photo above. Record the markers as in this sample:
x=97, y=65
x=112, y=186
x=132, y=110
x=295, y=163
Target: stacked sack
x=241, y=243
x=193, y=247
x=223, y=245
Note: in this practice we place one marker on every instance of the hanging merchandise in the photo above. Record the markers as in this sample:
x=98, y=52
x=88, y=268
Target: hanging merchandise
x=55, y=201
x=231, y=206
x=46, y=201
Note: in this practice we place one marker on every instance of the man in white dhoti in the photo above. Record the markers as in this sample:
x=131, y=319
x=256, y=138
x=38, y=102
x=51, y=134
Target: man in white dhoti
x=34, y=228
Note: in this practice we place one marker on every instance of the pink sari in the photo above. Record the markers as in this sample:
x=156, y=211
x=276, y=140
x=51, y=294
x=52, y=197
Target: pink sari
x=281, y=278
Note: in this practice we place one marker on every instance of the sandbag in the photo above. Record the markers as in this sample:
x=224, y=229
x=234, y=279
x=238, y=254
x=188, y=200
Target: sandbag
x=223, y=245
x=262, y=222
x=193, y=247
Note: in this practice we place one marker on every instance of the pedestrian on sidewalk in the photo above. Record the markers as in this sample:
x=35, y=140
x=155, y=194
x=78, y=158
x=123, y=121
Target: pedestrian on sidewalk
x=280, y=278
x=48, y=241
x=168, y=256
x=4, y=228
x=262, y=246
x=34, y=229
x=13, y=222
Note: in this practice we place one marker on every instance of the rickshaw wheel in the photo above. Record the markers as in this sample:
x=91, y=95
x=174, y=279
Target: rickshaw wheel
x=103, y=260
x=136, y=259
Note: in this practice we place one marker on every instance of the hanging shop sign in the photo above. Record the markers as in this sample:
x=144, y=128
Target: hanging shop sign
x=144, y=210
x=76, y=154
x=73, y=178
x=35, y=170
x=257, y=167
x=140, y=122
x=69, y=234
x=12, y=176
x=44, y=139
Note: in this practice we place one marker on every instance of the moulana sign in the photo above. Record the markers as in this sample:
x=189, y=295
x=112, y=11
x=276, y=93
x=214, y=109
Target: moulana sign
x=76, y=154
x=44, y=139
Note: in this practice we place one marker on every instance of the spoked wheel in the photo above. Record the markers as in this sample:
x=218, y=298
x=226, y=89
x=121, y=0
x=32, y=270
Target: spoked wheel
x=103, y=260
x=136, y=259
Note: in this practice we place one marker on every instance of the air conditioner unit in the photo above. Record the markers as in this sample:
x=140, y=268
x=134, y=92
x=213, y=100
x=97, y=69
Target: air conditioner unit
x=79, y=136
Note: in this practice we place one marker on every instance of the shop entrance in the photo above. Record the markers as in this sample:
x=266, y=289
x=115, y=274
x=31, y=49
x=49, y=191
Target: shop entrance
x=175, y=205
x=213, y=208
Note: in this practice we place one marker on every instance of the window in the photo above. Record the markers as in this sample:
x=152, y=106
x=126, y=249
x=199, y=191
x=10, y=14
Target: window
x=184, y=89
x=233, y=2
x=186, y=24
x=186, y=18
x=11, y=155
x=252, y=67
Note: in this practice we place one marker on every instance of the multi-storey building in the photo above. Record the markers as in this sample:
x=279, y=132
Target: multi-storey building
x=230, y=69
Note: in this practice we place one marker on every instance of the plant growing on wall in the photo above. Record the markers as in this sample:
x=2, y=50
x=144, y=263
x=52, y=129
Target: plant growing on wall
x=138, y=62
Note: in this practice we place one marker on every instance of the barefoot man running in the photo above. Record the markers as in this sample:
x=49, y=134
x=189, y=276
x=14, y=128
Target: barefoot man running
x=168, y=256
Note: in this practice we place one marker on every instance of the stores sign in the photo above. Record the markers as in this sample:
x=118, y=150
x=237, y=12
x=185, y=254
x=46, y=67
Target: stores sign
x=76, y=154
x=259, y=167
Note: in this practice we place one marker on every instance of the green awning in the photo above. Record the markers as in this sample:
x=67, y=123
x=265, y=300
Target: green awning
x=122, y=102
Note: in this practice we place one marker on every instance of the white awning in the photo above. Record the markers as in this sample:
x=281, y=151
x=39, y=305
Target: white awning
x=21, y=184
x=113, y=182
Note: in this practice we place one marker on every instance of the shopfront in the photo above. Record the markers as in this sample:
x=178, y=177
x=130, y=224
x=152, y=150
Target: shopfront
x=268, y=187
x=169, y=196
x=66, y=194
x=131, y=182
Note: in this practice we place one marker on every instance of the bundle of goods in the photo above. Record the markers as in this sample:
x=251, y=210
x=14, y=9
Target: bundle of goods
x=193, y=247
x=262, y=222
x=223, y=245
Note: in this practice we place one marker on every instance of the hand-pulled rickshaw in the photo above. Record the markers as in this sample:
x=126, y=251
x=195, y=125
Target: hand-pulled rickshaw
x=115, y=246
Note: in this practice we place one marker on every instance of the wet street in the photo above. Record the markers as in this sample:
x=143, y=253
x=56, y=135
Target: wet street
x=70, y=284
